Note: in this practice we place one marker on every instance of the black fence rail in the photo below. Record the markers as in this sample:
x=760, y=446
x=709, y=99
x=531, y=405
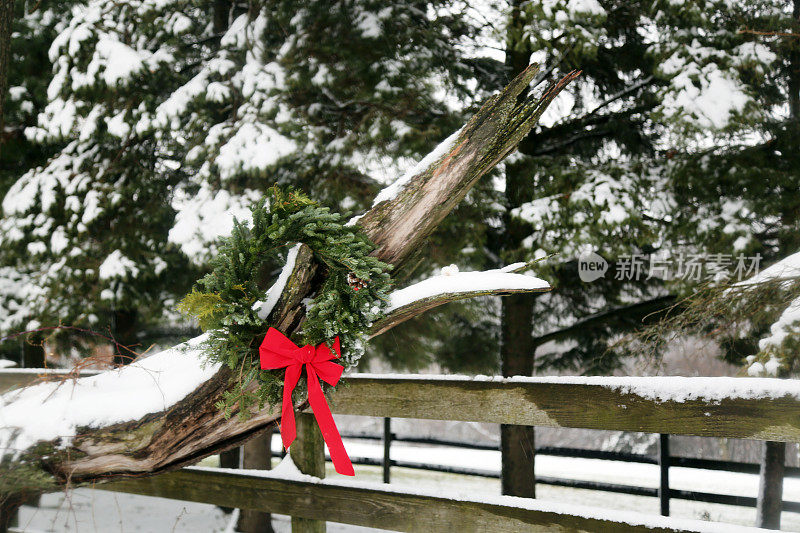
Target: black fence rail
x=664, y=492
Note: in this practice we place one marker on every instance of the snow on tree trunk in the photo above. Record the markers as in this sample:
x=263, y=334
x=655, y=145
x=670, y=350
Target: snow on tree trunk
x=159, y=414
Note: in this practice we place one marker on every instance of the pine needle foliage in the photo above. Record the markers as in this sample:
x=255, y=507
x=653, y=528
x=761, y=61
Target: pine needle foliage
x=226, y=301
x=731, y=316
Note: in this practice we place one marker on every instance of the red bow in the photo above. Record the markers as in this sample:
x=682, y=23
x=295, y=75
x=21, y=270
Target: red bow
x=277, y=351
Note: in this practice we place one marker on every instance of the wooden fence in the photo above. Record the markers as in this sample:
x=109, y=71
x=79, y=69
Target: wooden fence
x=769, y=413
x=663, y=460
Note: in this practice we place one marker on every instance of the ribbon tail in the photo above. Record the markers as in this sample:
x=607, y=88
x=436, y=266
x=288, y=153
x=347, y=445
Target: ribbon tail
x=288, y=426
x=331, y=436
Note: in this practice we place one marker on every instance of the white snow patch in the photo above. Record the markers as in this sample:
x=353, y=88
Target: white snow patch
x=449, y=270
x=286, y=469
x=591, y=7
x=203, y=218
x=274, y=292
x=656, y=388
x=53, y=410
x=706, y=93
x=253, y=147
x=117, y=265
x=461, y=282
x=787, y=324
x=786, y=268
x=120, y=60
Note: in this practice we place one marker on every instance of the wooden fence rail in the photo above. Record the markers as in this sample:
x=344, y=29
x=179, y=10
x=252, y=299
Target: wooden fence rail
x=763, y=409
x=664, y=492
x=767, y=409
x=374, y=505
x=547, y=402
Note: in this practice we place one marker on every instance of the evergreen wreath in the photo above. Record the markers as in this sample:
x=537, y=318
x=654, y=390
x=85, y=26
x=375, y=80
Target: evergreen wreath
x=227, y=300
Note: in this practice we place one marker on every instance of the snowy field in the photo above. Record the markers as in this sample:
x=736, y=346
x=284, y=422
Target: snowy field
x=86, y=510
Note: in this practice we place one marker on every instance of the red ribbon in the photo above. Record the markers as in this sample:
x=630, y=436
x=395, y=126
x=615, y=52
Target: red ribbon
x=277, y=351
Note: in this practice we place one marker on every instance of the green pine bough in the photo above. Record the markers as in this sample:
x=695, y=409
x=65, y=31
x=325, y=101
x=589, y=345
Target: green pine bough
x=226, y=301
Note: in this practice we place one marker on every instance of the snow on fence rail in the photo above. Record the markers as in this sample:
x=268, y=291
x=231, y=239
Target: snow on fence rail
x=755, y=408
x=286, y=491
x=750, y=408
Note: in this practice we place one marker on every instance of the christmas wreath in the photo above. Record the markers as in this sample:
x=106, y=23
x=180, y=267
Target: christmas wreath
x=232, y=304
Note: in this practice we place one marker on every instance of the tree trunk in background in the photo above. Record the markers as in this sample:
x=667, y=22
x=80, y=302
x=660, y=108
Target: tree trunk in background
x=517, y=442
x=230, y=459
x=794, y=67
x=257, y=454
x=517, y=343
x=125, y=328
x=33, y=351
x=6, y=19
x=221, y=11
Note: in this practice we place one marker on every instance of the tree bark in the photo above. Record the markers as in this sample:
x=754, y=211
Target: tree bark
x=794, y=66
x=193, y=427
x=517, y=443
x=9, y=511
x=6, y=23
x=221, y=15
x=400, y=225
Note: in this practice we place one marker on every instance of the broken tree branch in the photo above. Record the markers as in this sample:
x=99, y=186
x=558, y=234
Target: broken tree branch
x=160, y=413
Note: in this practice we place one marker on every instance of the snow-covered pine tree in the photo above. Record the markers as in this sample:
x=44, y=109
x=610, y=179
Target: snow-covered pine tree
x=606, y=177
x=86, y=230
x=734, y=105
x=735, y=189
x=571, y=185
x=668, y=131
x=176, y=115
x=28, y=74
x=732, y=117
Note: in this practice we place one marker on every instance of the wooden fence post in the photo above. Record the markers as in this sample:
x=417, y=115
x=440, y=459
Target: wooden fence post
x=663, y=466
x=256, y=454
x=387, y=444
x=308, y=453
x=770, y=486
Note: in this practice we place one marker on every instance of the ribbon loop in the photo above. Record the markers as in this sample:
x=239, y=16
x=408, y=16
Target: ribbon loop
x=277, y=351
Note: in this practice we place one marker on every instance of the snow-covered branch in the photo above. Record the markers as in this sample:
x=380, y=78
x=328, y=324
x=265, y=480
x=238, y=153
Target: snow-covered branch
x=448, y=287
x=160, y=413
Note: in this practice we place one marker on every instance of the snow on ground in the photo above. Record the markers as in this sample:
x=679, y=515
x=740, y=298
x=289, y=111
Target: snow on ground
x=85, y=510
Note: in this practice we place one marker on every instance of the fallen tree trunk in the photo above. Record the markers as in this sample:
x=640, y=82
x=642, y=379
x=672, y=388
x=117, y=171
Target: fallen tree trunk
x=159, y=414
